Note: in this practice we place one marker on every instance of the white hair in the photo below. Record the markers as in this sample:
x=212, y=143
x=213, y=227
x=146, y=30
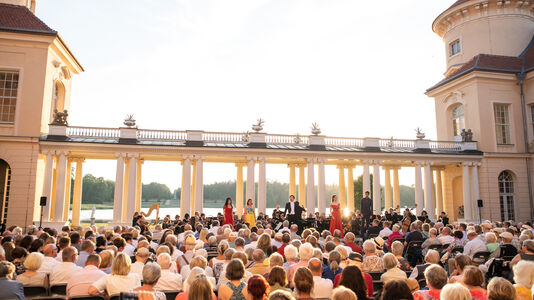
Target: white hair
x=192, y=276
x=369, y=246
x=164, y=260
x=524, y=273
x=2, y=252
x=455, y=291
x=390, y=261
x=306, y=251
x=291, y=252
x=201, y=252
x=151, y=273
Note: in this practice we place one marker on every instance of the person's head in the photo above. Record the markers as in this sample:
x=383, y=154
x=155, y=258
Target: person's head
x=290, y=252
x=50, y=250
x=390, y=261
x=250, y=202
x=455, y=291
x=306, y=251
x=198, y=261
x=501, y=289
x=142, y=255
x=343, y=293
x=352, y=278
x=473, y=277
x=396, y=289
x=228, y=202
x=334, y=198
x=491, y=238
x=257, y=287
x=119, y=242
x=315, y=266
x=369, y=247
x=281, y=295
x=200, y=289
x=19, y=253
x=164, y=261
x=121, y=265
x=7, y=269
x=242, y=256
x=69, y=254
x=528, y=246
x=235, y=270
x=276, y=260
x=277, y=275
x=303, y=280
x=93, y=260
x=366, y=194
x=472, y=235
x=106, y=257
x=397, y=248
x=462, y=261
x=524, y=273
x=291, y=198
x=229, y=253
x=151, y=273
x=88, y=246
x=436, y=277
x=432, y=257
x=34, y=261
x=258, y=255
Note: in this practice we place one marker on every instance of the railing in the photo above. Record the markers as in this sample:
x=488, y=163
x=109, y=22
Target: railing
x=445, y=145
x=164, y=135
x=93, y=132
x=285, y=139
x=225, y=137
x=397, y=144
x=343, y=142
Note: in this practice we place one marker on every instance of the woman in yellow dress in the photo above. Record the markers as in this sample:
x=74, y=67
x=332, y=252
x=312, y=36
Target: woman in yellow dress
x=250, y=214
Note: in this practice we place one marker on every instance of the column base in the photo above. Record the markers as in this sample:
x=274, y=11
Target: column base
x=53, y=224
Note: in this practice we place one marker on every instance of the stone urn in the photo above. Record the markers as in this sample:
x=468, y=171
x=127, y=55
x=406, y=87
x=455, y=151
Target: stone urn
x=258, y=126
x=129, y=121
x=315, y=130
x=419, y=134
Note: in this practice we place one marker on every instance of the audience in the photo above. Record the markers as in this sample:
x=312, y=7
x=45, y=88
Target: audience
x=455, y=291
x=396, y=290
x=303, y=283
x=322, y=287
x=10, y=288
x=31, y=277
x=79, y=283
x=151, y=274
x=120, y=280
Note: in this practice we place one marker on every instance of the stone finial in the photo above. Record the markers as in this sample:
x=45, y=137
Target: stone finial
x=60, y=117
x=129, y=121
x=258, y=126
x=419, y=134
x=315, y=130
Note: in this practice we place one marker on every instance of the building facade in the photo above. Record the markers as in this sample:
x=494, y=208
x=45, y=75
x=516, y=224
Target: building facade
x=39, y=150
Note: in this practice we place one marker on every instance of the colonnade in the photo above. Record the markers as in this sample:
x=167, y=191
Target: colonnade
x=311, y=191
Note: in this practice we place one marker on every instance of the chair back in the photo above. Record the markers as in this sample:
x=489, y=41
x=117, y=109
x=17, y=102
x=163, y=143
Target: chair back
x=400, y=240
x=422, y=283
x=376, y=275
x=35, y=291
x=435, y=247
x=87, y=298
x=508, y=250
x=60, y=289
x=171, y=294
x=372, y=236
x=457, y=249
x=481, y=257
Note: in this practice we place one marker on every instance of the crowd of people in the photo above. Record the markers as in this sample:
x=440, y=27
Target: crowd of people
x=393, y=256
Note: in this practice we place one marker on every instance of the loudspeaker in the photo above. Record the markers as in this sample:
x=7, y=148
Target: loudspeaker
x=43, y=201
x=480, y=203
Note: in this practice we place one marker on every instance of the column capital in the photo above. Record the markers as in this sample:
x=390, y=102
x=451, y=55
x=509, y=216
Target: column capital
x=366, y=162
x=133, y=155
x=240, y=164
x=117, y=155
x=377, y=162
x=48, y=152
x=311, y=160
x=187, y=157
x=78, y=159
x=419, y=163
x=321, y=160
x=261, y=159
x=253, y=158
x=62, y=152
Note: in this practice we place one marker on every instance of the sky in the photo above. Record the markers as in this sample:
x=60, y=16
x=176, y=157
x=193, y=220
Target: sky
x=358, y=68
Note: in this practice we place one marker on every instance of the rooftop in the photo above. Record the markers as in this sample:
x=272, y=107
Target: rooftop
x=21, y=19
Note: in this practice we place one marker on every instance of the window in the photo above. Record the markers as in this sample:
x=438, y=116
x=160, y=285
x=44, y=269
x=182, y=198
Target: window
x=458, y=121
x=502, y=124
x=506, y=196
x=9, y=82
x=455, y=47
x=532, y=116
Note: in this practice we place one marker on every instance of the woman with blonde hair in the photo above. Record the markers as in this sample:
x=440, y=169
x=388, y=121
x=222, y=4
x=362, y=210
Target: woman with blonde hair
x=264, y=243
x=392, y=271
x=343, y=293
x=524, y=279
x=455, y=291
x=190, y=286
x=120, y=280
x=501, y=289
x=106, y=257
x=31, y=277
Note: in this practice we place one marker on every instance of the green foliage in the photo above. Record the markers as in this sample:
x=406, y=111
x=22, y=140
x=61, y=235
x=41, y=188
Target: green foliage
x=97, y=190
x=156, y=191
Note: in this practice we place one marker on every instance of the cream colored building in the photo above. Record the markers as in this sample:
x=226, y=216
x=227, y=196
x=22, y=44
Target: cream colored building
x=38, y=151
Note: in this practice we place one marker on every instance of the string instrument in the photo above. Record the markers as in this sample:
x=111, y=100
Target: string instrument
x=407, y=220
x=152, y=207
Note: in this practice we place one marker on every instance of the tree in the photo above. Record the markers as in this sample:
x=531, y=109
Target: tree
x=156, y=191
x=97, y=190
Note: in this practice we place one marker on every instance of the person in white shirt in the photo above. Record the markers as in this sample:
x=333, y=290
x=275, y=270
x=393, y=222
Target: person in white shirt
x=168, y=281
x=141, y=257
x=474, y=245
x=62, y=273
x=385, y=231
x=190, y=244
x=322, y=287
x=445, y=236
x=277, y=241
x=79, y=283
x=392, y=271
x=129, y=249
x=50, y=262
x=120, y=280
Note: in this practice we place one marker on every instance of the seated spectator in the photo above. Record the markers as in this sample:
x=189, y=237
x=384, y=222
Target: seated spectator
x=141, y=257
x=291, y=255
x=502, y=289
x=305, y=254
x=386, y=231
x=343, y=293
x=526, y=253
x=397, y=248
x=432, y=240
x=524, y=279
x=278, y=279
x=474, y=245
x=432, y=257
x=474, y=280
x=79, y=283
x=19, y=255
x=455, y=291
x=168, y=280
x=395, y=290
x=392, y=271
x=436, y=279
x=31, y=277
x=303, y=283
x=281, y=295
x=49, y=262
x=106, y=257
x=333, y=268
x=462, y=261
x=62, y=273
x=322, y=288
x=257, y=288
x=491, y=242
x=235, y=288
x=151, y=275
x=393, y=236
x=371, y=262
x=445, y=237
x=200, y=289
x=88, y=248
x=259, y=266
x=120, y=279
x=10, y=288
x=353, y=279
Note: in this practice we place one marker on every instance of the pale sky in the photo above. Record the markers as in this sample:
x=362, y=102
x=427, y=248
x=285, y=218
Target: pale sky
x=358, y=68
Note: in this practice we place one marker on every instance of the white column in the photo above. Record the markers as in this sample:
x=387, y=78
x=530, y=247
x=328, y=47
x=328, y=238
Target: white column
x=350, y=189
x=396, y=190
x=47, y=187
x=388, y=203
x=302, y=186
x=77, y=192
x=119, y=189
x=185, y=201
x=429, y=200
x=250, y=191
x=292, y=180
x=366, y=178
x=311, y=201
x=377, y=204
x=475, y=189
x=418, y=189
x=321, y=188
x=239, y=190
x=262, y=187
x=139, y=185
x=342, y=192
x=468, y=211
x=199, y=186
x=439, y=192
x=132, y=186
x=59, y=203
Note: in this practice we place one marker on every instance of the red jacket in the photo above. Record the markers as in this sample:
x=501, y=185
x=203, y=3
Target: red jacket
x=392, y=237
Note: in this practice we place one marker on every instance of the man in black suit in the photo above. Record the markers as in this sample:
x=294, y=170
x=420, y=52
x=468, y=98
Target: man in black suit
x=366, y=209
x=293, y=211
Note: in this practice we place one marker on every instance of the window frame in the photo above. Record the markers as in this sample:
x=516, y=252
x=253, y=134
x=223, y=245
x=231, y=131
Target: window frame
x=500, y=125
x=16, y=98
x=453, y=45
x=457, y=118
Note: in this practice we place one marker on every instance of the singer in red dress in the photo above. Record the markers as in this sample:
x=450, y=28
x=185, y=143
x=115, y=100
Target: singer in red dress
x=228, y=216
x=335, y=216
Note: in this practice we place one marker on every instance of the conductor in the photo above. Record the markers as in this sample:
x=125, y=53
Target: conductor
x=293, y=211
x=366, y=210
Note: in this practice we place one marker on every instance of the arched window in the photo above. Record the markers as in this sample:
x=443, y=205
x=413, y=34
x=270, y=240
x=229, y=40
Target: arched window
x=506, y=196
x=458, y=121
x=5, y=182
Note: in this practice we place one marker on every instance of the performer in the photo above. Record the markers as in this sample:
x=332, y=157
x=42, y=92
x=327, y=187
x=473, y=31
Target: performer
x=366, y=209
x=228, y=216
x=293, y=211
x=335, y=216
x=250, y=214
